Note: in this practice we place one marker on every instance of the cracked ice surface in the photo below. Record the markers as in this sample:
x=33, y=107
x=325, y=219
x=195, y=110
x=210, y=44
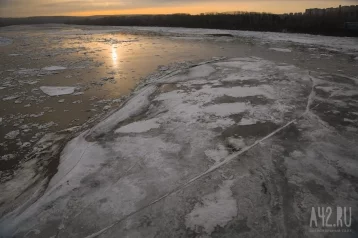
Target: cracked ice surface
x=135, y=167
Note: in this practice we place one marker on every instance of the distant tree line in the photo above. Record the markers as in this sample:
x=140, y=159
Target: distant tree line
x=37, y=20
x=298, y=23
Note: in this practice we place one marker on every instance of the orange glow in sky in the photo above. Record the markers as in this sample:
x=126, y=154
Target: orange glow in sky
x=254, y=6
x=20, y=8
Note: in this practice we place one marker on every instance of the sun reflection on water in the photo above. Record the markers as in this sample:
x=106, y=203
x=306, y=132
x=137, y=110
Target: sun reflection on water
x=114, y=56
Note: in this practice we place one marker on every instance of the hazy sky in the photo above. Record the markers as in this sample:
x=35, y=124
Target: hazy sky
x=16, y=8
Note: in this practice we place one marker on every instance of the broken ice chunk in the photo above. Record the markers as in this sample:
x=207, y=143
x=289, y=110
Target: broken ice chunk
x=12, y=135
x=57, y=91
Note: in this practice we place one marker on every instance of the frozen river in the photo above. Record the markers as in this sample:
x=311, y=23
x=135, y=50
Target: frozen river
x=204, y=98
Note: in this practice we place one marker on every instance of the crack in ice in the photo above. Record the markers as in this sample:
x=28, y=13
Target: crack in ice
x=216, y=166
x=188, y=183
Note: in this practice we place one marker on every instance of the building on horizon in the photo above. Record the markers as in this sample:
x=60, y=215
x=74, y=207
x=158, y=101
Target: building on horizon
x=349, y=12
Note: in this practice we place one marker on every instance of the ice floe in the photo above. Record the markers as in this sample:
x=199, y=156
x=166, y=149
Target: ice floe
x=54, y=68
x=57, y=91
x=8, y=157
x=12, y=135
x=8, y=98
x=285, y=50
x=247, y=121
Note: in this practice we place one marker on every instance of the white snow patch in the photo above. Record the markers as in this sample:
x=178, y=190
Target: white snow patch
x=287, y=67
x=247, y=121
x=220, y=122
x=7, y=157
x=326, y=89
x=238, y=91
x=349, y=120
x=25, y=145
x=238, y=143
x=226, y=109
x=239, y=77
x=139, y=126
x=216, y=209
x=297, y=154
x=218, y=154
x=37, y=115
x=281, y=50
x=249, y=64
x=57, y=91
x=201, y=71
